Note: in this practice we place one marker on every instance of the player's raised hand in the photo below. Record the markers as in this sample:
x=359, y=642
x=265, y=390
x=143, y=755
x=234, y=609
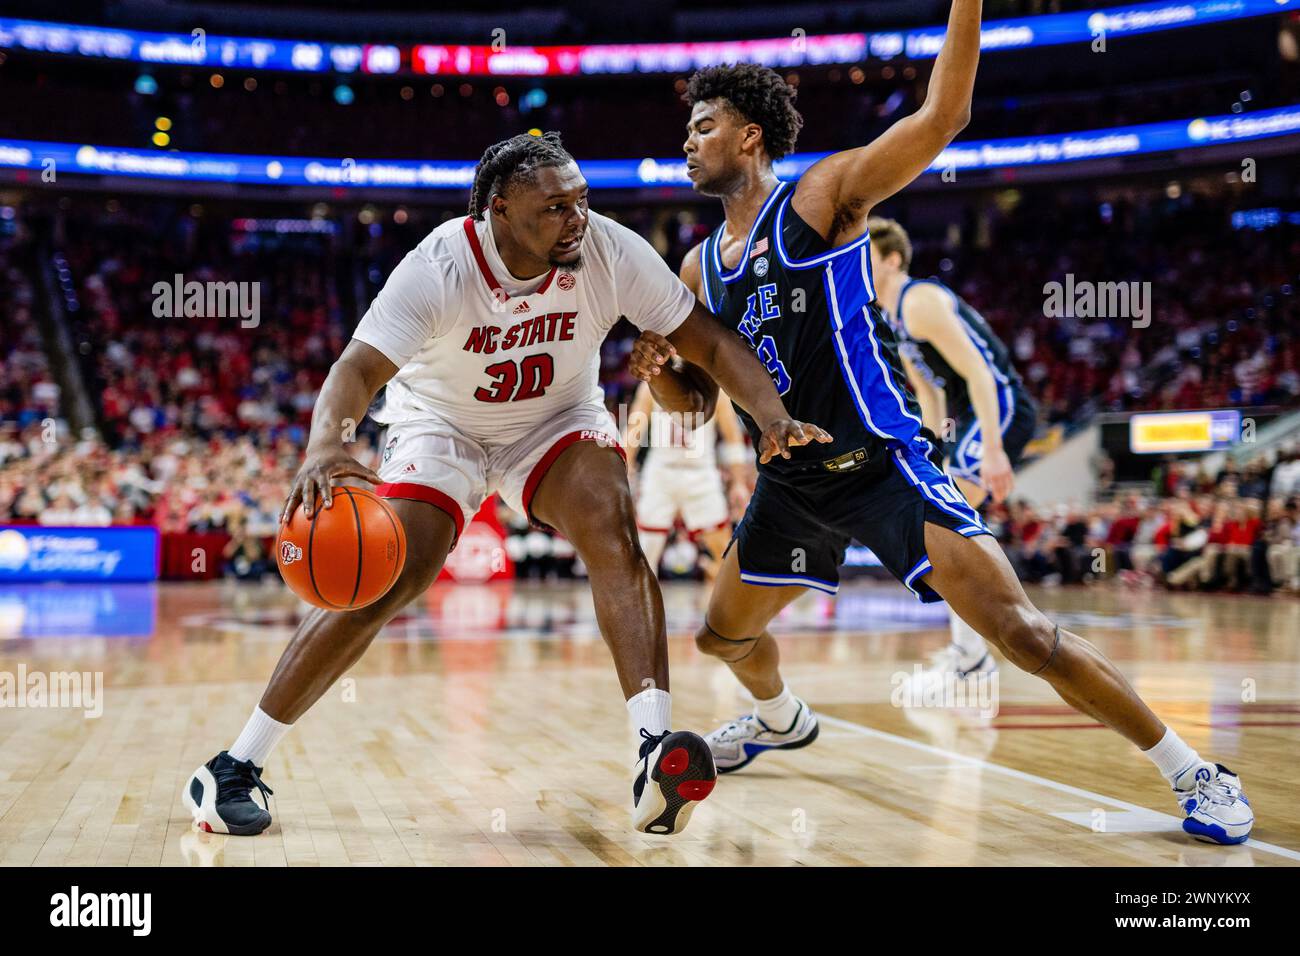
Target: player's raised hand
x=315, y=477
x=786, y=433
x=649, y=352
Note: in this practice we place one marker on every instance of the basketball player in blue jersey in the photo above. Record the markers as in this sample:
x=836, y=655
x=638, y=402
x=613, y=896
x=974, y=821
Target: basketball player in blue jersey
x=789, y=271
x=962, y=375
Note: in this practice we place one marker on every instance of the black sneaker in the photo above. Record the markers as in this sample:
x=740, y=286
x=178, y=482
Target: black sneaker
x=675, y=772
x=219, y=797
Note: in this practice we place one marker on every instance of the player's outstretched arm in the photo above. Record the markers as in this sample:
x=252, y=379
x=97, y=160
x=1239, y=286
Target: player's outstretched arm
x=360, y=372
x=712, y=357
x=677, y=387
x=703, y=342
x=837, y=193
x=932, y=318
x=928, y=397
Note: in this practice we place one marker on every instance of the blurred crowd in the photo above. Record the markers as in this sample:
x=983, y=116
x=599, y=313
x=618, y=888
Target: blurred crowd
x=203, y=419
x=28, y=392
x=177, y=483
x=200, y=375
x=1159, y=76
x=1237, y=530
x=1217, y=335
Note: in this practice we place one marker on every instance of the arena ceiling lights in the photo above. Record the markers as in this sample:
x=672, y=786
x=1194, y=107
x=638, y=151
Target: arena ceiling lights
x=201, y=49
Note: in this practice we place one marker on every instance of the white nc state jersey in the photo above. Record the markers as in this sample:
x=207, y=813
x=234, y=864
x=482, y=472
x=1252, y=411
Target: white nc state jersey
x=674, y=442
x=496, y=356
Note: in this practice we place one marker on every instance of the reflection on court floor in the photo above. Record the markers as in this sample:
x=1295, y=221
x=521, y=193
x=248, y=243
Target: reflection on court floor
x=458, y=738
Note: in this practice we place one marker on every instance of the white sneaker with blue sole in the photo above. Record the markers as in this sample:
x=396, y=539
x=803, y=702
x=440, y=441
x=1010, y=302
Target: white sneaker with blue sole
x=1216, y=809
x=736, y=744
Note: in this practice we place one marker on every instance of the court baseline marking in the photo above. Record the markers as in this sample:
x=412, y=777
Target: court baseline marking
x=1030, y=778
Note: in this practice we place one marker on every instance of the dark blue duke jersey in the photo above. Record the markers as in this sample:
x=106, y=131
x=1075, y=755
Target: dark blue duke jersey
x=809, y=312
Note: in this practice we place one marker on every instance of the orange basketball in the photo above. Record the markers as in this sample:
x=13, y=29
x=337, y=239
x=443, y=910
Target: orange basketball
x=345, y=556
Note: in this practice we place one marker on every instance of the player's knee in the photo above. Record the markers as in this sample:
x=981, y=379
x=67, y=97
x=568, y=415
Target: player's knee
x=705, y=642
x=715, y=645
x=1025, y=636
x=604, y=533
x=416, y=578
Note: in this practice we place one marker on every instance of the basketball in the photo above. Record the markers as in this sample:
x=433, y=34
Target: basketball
x=345, y=556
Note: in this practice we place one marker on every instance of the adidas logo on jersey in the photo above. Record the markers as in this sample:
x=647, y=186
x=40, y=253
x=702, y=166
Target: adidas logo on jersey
x=522, y=307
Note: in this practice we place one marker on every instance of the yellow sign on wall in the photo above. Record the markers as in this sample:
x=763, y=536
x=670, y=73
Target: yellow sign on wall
x=1163, y=432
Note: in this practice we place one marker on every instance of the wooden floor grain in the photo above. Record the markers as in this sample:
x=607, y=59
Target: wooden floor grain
x=485, y=727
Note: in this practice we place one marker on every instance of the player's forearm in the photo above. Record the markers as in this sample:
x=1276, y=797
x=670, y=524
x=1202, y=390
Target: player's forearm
x=952, y=83
x=677, y=391
x=342, y=403
x=931, y=410
x=740, y=374
x=984, y=399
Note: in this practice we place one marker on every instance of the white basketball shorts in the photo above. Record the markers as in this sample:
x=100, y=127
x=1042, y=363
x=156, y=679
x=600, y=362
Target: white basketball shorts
x=692, y=491
x=431, y=460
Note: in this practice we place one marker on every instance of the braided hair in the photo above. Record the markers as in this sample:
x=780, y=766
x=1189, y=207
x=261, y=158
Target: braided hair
x=513, y=160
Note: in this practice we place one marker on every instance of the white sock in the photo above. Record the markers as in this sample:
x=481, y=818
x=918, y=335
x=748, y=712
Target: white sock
x=258, y=739
x=1172, y=756
x=651, y=710
x=780, y=711
x=966, y=639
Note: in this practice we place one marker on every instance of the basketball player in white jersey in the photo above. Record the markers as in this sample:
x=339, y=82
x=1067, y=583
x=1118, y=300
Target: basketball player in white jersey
x=487, y=337
x=679, y=477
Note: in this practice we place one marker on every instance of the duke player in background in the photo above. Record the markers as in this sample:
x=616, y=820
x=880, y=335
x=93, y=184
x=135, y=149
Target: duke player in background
x=487, y=336
x=789, y=270
x=962, y=374
x=680, y=477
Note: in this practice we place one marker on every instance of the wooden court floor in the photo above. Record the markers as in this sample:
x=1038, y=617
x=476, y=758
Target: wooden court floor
x=485, y=727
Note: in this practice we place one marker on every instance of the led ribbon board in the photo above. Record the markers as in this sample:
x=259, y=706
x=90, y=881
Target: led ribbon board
x=201, y=49
x=623, y=173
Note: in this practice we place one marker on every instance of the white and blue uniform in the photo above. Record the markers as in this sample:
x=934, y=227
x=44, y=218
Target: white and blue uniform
x=1017, y=412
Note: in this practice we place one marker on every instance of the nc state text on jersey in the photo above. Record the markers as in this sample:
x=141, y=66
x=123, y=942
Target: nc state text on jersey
x=551, y=327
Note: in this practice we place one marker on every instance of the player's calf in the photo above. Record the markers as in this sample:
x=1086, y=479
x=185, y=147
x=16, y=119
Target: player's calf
x=1214, y=805
x=780, y=720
